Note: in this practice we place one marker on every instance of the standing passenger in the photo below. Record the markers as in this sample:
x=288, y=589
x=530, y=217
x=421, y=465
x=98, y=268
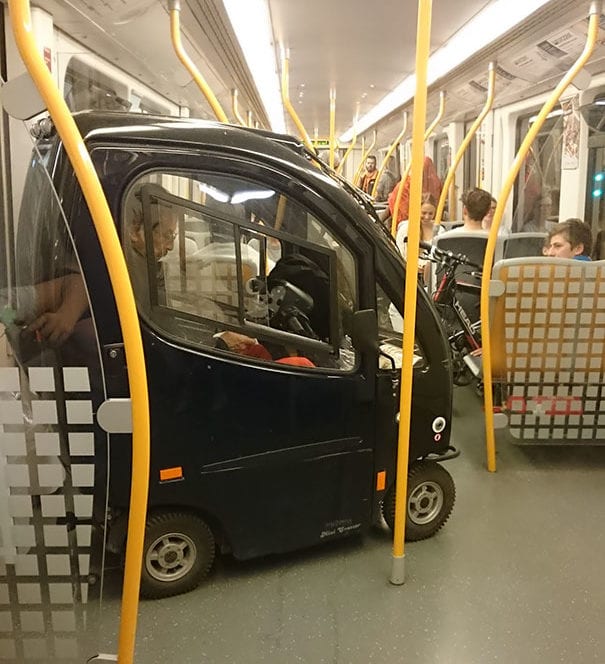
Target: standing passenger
x=431, y=184
x=368, y=178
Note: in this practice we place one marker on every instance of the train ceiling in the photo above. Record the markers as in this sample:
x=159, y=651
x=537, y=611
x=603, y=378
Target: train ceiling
x=361, y=49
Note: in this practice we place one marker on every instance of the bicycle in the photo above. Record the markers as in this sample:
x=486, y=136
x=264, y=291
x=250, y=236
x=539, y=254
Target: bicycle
x=464, y=335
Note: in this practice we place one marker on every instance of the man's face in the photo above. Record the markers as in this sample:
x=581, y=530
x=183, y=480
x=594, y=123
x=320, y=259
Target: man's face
x=560, y=247
x=163, y=234
x=370, y=165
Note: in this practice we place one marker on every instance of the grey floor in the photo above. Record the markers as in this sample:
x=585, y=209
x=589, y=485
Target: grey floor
x=517, y=575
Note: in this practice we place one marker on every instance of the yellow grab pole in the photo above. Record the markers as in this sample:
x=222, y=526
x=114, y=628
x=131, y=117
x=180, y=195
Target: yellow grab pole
x=591, y=38
x=174, y=7
x=285, y=95
x=249, y=121
x=411, y=289
x=364, y=155
x=129, y=322
x=467, y=139
x=332, y=125
x=390, y=151
x=427, y=133
x=235, y=108
x=353, y=142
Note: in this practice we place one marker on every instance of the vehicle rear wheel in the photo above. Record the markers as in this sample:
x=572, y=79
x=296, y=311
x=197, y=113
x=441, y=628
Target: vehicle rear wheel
x=430, y=500
x=178, y=553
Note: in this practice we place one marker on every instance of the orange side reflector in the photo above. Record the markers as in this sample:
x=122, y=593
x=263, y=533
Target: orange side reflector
x=171, y=474
x=381, y=480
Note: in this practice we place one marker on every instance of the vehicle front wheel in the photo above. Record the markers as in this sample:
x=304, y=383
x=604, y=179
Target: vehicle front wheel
x=430, y=500
x=178, y=553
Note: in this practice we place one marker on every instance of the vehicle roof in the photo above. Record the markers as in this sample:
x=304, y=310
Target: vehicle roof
x=140, y=126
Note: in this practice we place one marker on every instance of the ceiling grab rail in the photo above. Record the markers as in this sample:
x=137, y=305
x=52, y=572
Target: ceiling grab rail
x=364, y=155
x=389, y=153
x=411, y=290
x=174, y=7
x=352, y=144
x=591, y=38
x=331, y=137
x=129, y=321
x=285, y=95
x=427, y=133
x=235, y=108
x=489, y=102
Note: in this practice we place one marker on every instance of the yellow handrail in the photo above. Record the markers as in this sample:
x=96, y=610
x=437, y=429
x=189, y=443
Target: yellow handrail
x=332, y=125
x=235, y=108
x=364, y=155
x=285, y=95
x=135, y=360
x=411, y=289
x=489, y=102
x=427, y=133
x=390, y=151
x=175, y=32
x=591, y=38
x=353, y=141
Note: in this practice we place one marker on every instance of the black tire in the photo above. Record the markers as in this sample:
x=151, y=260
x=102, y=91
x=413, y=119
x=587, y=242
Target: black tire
x=431, y=497
x=178, y=553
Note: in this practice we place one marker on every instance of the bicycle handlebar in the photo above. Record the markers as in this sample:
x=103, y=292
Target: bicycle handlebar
x=436, y=254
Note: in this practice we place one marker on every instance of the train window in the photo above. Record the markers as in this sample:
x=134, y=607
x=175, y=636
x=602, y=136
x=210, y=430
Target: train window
x=85, y=88
x=594, y=115
x=225, y=262
x=538, y=187
x=470, y=163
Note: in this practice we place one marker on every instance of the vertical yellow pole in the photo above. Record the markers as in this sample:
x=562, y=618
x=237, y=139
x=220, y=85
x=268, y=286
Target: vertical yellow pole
x=467, y=139
x=353, y=141
x=235, y=108
x=390, y=151
x=332, y=124
x=175, y=32
x=427, y=133
x=285, y=95
x=591, y=38
x=249, y=120
x=411, y=287
x=129, y=322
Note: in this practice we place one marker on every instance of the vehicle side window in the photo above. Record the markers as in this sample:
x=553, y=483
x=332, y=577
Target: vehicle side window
x=224, y=262
x=390, y=328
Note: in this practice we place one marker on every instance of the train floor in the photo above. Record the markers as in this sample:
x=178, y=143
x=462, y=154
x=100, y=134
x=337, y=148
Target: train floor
x=516, y=575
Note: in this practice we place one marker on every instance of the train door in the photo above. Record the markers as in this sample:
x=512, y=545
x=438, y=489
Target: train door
x=246, y=282
x=53, y=457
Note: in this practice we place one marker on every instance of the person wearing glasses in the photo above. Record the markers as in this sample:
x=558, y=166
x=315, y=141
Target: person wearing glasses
x=163, y=234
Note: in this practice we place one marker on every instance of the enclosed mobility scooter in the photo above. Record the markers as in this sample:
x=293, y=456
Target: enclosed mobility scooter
x=269, y=297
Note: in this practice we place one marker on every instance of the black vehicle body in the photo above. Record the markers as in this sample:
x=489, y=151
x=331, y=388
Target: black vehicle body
x=273, y=457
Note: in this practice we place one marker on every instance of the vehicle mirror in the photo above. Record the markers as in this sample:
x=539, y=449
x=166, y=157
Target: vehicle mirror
x=365, y=331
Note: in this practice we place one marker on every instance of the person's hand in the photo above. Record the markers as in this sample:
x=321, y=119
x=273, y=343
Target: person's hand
x=54, y=327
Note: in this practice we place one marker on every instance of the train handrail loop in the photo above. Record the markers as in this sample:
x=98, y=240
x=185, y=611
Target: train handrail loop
x=411, y=286
x=235, y=108
x=364, y=156
x=427, y=133
x=20, y=17
x=591, y=38
x=285, y=95
x=174, y=7
x=352, y=144
x=332, y=125
x=489, y=102
x=389, y=153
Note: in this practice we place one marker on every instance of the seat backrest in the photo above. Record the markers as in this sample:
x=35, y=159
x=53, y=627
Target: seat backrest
x=548, y=347
x=517, y=245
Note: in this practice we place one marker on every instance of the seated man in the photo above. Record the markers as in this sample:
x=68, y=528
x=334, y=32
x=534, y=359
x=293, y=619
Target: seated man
x=571, y=238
